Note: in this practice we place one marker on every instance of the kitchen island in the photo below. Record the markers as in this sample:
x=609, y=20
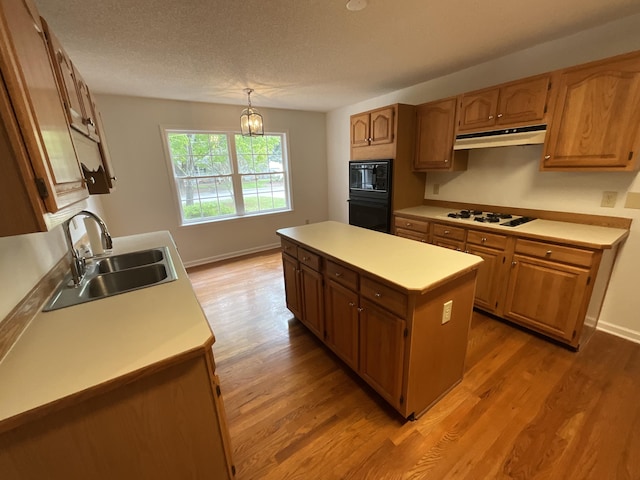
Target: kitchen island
x=121, y=387
x=397, y=312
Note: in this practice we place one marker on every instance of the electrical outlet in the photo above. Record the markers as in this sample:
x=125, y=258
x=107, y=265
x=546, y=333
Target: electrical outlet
x=446, y=311
x=609, y=199
x=633, y=200
x=436, y=188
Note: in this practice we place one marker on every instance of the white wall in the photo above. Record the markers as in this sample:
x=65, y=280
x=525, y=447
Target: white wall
x=25, y=259
x=510, y=176
x=143, y=200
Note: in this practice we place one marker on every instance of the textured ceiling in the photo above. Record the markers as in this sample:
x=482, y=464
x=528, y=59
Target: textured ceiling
x=301, y=54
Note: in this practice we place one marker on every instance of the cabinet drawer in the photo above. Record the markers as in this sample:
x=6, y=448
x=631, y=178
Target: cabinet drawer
x=486, y=239
x=308, y=258
x=342, y=274
x=452, y=244
x=446, y=231
x=554, y=252
x=289, y=247
x=410, y=224
x=385, y=296
x=410, y=234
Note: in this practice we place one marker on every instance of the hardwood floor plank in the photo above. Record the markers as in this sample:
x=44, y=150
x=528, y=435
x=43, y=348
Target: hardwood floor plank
x=526, y=408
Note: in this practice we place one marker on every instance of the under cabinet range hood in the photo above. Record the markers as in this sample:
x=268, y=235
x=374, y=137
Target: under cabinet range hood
x=530, y=135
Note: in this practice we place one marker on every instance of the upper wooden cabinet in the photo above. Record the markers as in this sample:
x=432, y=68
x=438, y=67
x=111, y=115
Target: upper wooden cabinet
x=373, y=128
x=435, y=132
x=519, y=103
x=596, y=119
x=41, y=175
x=84, y=117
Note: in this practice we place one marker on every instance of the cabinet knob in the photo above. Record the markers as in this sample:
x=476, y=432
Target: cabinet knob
x=514, y=263
x=446, y=232
x=483, y=239
x=305, y=259
x=351, y=304
x=360, y=309
x=499, y=115
x=490, y=117
x=338, y=274
x=92, y=180
x=377, y=294
x=547, y=157
x=115, y=179
x=89, y=121
x=548, y=254
x=408, y=224
x=446, y=160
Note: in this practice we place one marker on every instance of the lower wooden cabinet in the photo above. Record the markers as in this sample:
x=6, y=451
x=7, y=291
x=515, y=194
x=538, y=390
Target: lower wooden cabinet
x=411, y=228
x=447, y=236
x=491, y=247
x=167, y=423
x=393, y=339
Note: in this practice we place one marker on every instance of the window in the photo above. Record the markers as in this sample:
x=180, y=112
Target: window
x=225, y=175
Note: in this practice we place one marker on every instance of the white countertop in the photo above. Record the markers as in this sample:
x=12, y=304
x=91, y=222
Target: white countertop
x=413, y=266
x=575, y=233
x=67, y=351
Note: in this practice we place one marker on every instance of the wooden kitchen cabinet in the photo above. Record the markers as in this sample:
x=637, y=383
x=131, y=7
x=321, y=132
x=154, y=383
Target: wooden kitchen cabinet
x=166, y=423
x=596, y=120
x=435, y=134
x=491, y=247
x=342, y=322
x=410, y=228
x=447, y=236
x=42, y=177
x=514, y=104
x=549, y=288
x=291, y=270
x=84, y=117
x=375, y=127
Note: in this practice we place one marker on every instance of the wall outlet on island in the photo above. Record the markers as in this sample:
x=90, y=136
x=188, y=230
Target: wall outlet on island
x=446, y=311
x=609, y=199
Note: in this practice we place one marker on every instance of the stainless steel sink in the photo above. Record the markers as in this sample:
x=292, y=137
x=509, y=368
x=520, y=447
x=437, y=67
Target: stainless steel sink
x=114, y=275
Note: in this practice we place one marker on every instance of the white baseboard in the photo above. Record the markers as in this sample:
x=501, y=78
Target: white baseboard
x=625, y=333
x=226, y=256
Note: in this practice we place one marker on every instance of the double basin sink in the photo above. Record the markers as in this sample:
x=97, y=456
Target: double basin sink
x=115, y=274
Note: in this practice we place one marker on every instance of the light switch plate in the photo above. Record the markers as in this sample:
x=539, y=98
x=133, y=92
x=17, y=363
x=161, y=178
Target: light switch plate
x=609, y=199
x=633, y=200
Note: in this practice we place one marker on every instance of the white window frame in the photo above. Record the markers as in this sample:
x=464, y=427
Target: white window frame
x=236, y=177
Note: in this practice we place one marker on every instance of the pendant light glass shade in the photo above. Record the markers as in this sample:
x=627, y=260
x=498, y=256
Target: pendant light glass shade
x=250, y=120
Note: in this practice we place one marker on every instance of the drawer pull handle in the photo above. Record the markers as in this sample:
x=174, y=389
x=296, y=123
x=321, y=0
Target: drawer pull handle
x=548, y=254
x=338, y=274
x=377, y=294
x=408, y=224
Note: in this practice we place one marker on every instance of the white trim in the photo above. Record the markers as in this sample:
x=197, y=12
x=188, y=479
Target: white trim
x=618, y=331
x=226, y=256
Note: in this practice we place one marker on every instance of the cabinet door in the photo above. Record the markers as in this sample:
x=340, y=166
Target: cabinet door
x=360, y=130
x=382, y=351
x=292, y=285
x=488, y=276
x=596, y=117
x=66, y=77
x=381, y=126
x=435, y=127
x=312, y=300
x=523, y=102
x=546, y=296
x=87, y=107
x=478, y=110
x=342, y=322
x=38, y=107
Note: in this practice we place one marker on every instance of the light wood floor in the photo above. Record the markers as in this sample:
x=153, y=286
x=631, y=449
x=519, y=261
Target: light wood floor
x=526, y=408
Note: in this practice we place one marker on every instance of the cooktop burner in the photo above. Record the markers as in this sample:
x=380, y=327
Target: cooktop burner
x=490, y=217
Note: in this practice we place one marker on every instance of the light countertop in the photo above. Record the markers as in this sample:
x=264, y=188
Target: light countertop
x=411, y=265
x=590, y=236
x=67, y=351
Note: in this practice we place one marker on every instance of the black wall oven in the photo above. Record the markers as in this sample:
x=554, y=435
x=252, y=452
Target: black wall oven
x=370, y=194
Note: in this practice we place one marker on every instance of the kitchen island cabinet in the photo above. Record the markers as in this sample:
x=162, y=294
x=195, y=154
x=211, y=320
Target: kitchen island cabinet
x=549, y=276
x=385, y=309
x=126, y=383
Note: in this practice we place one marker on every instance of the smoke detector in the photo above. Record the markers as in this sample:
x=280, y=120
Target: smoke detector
x=356, y=5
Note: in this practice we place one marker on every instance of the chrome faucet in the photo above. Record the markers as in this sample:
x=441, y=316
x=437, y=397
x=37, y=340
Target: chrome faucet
x=78, y=261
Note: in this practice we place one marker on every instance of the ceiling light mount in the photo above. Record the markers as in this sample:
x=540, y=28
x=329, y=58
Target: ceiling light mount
x=251, y=123
x=356, y=5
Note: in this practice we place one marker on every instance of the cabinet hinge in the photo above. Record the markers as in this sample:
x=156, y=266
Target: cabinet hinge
x=218, y=392
x=233, y=469
x=573, y=336
x=406, y=332
x=545, y=109
x=588, y=280
x=401, y=399
x=630, y=155
x=42, y=187
x=549, y=86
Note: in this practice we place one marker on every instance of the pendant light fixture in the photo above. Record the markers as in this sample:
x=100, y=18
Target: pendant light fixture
x=250, y=119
